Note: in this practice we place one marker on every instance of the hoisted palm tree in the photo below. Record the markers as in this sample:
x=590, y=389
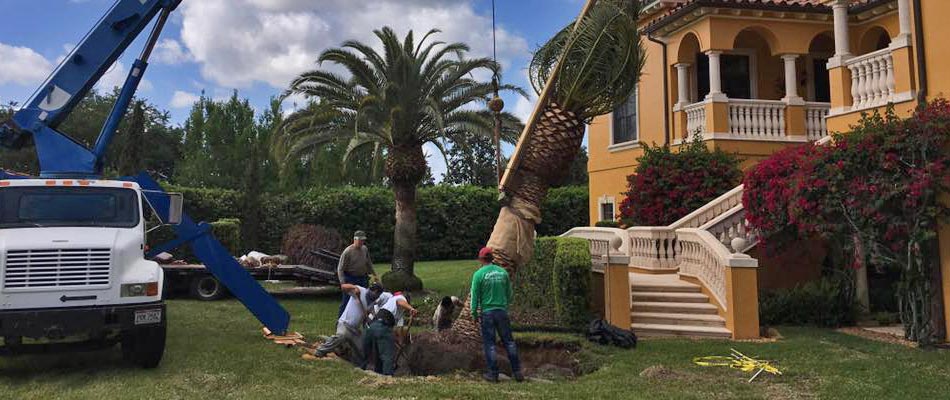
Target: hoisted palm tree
x=391, y=104
x=587, y=69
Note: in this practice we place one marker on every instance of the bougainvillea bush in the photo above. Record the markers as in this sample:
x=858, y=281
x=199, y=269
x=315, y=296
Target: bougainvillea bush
x=874, y=191
x=669, y=184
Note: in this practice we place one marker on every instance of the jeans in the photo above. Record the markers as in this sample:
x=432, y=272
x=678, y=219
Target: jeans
x=353, y=280
x=346, y=336
x=379, y=340
x=497, y=321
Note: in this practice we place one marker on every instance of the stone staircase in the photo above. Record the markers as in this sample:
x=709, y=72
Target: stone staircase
x=664, y=305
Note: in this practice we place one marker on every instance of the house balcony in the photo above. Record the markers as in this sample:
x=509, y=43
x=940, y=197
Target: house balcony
x=757, y=120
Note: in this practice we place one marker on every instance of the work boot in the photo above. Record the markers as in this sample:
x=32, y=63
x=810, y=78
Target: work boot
x=490, y=377
x=519, y=377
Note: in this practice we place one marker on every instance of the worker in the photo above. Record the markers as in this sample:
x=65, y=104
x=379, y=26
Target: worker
x=379, y=338
x=491, y=293
x=355, y=266
x=348, y=327
x=446, y=313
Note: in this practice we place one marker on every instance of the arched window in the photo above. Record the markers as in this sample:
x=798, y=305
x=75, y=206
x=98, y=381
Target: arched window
x=625, y=128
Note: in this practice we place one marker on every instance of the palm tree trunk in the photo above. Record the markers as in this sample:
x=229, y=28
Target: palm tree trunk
x=546, y=153
x=404, y=240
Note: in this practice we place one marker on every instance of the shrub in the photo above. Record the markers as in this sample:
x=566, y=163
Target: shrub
x=667, y=185
x=825, y=303
x=228, y=232
x=607, y=224
x=553, y=290
x=454, y=221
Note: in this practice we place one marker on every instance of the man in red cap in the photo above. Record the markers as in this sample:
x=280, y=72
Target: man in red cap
x=491, y=293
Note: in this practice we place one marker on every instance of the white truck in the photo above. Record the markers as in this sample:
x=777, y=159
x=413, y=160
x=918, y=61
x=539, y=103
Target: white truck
x=73, y=272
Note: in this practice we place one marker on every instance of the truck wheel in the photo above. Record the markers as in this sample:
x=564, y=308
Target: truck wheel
x=207, y=288
x=144, y=346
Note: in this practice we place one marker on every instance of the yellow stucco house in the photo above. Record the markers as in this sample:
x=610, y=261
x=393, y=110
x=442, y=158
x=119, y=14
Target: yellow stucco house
x=752, y=76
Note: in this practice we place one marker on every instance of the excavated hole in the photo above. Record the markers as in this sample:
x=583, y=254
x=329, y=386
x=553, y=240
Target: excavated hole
x=441, y=354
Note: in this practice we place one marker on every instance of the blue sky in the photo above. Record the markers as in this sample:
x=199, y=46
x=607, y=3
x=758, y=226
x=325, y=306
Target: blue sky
x=257, y=46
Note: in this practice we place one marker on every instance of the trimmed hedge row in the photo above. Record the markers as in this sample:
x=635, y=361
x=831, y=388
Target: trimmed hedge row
x=554, y=289
x=454, y=221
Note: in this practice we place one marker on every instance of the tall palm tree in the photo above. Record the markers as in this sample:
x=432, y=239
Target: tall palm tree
x=587, y=69
x=391, y=104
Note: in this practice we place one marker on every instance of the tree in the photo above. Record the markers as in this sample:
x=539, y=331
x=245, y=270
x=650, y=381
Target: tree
x=577, y=173
x=389, y=105
x=471, y=162
x=587, y=69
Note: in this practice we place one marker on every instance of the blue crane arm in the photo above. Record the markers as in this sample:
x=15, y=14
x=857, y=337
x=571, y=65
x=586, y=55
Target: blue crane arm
x=62, y=157
x=59, y=154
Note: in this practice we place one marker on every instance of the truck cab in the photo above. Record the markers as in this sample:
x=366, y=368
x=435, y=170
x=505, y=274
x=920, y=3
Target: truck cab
x=73, y=271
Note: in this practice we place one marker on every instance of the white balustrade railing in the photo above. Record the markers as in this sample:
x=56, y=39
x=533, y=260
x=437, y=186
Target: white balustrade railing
x=764, y=119
x=653, y=247
x=695, y=118
x=816, y=125
x=729, y=227
x=872, y=79
x=702, y=256
x=711, y=210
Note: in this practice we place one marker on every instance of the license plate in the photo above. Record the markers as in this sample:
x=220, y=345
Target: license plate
x=147, y=317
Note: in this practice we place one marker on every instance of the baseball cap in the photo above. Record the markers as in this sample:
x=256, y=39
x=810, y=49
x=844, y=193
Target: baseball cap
x=359, y=235
x=484, y=252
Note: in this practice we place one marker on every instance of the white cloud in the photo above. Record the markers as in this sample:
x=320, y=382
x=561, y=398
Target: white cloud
x=170, y=51
x=182, y=99
x=115, y=77
x=240, y=42
x=22, y=65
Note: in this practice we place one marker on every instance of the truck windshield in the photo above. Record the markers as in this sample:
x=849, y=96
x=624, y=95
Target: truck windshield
x=68, y=206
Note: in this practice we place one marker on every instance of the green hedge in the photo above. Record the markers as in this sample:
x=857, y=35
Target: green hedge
x=228, y=232
x=826, y=303
x=554, y=289
x=454, y=221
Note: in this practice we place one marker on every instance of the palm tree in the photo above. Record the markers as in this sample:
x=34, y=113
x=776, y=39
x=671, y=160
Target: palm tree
x=587, y=69
x=390, y=104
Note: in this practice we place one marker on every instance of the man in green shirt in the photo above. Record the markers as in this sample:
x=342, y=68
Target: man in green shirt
x=491, y=293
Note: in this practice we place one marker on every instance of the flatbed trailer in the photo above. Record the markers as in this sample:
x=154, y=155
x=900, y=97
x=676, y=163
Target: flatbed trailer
x=199, y=283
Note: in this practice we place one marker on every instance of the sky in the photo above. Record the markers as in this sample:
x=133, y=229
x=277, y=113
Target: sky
x=257, y=46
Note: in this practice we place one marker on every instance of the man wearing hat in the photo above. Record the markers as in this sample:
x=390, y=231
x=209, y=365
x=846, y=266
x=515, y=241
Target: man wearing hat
x=491, y=293
x=355, y=266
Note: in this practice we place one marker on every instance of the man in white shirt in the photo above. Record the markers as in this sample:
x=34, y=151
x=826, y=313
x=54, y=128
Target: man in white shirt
x=379, y=336
x=350, y=324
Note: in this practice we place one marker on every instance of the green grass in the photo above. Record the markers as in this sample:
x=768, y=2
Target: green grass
x=215, y=351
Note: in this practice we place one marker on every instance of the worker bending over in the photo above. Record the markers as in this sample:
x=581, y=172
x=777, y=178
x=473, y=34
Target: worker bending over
x=491, y=293
x=356, y=266
x=348, y=327
x=379, y=339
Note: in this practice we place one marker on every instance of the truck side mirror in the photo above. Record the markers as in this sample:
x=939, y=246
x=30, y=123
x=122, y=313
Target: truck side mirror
x=166, y=206
x=175, y=204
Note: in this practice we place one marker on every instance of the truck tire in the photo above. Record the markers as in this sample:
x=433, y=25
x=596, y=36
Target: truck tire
x=207, y=288
x=144, y=346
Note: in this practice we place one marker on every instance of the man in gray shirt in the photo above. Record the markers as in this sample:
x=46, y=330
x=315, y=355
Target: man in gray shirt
x=355, y=266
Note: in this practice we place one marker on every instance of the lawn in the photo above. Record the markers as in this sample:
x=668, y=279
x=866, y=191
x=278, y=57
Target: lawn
x=215, y=351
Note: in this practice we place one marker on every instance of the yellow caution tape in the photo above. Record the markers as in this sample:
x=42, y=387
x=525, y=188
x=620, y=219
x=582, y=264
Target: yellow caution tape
x=738, y=361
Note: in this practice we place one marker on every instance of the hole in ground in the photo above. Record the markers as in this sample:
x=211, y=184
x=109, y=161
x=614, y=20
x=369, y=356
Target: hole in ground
x=541, y=358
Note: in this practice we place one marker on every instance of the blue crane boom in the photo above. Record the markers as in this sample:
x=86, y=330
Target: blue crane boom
x=60, y=156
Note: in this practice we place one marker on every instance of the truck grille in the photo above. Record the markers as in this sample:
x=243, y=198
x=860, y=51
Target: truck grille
x=33, y=269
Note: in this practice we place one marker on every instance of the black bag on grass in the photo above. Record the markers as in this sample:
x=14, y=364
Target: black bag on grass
x=602, y=332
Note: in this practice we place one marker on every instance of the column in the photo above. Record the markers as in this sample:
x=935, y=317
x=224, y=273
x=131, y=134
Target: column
x=682, y=75
x=791, y=79
x=842, y=35
x=715, y=78
x=904, y=15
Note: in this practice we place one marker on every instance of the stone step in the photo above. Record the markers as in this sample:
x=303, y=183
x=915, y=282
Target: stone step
x=677, y=319
x=648, y=330
x=673, y=308
x=656, y=287
x=670, y=297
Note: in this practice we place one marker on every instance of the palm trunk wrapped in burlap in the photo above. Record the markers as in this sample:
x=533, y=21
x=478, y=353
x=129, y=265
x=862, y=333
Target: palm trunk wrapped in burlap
x=587, y=69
